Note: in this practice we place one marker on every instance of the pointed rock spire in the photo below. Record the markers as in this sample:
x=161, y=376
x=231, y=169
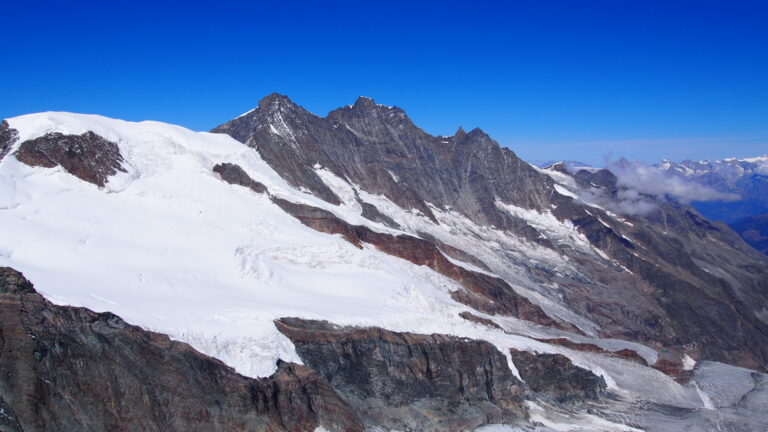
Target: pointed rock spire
x=275, y=100
x=364, y=103
x=477, y=132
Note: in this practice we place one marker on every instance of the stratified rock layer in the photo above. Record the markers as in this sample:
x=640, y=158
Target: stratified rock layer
x=406, y=381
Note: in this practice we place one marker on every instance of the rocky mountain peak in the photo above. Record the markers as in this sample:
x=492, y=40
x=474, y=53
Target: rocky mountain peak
x=380, y=149
x=479, y=143
x=278, y=110
x=276, y=101
x=473, y=136
x=367, y=108
x=364, y=102
x=477, y=132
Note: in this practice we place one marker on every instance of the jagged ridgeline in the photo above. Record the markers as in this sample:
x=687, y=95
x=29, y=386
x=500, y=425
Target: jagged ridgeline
x=295, y=272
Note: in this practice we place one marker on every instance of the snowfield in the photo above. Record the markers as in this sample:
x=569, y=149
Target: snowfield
x=172, y=248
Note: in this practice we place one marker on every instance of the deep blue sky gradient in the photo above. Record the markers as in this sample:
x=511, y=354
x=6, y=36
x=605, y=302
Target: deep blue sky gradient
x=549, y=79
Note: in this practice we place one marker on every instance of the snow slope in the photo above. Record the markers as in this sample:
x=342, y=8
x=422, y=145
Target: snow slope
x=171, y=247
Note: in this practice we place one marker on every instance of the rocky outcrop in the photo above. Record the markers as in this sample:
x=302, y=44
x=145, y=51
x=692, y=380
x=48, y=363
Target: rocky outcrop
x=371, y=212
x=406, y=381
x=469, y=316
x=601, y=178
x=671, y=361
x=67, y=368
x=483, y=292
x=234, y=174
x=625, y=353
x=13, y=282
x=88, y=156
x=455, y=252
x=8, y=136
x=554, y=378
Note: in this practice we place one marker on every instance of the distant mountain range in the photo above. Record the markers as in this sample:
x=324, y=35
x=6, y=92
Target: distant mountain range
x=746, y=180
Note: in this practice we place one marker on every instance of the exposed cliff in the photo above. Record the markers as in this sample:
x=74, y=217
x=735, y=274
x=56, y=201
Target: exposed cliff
x=405, y=381
x=67, y=368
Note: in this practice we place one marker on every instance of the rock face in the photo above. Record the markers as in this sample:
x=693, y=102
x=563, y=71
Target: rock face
x=626, y=354
x=553, y=377
x=88, y=156
x=671, y=278
x=7, y=137
x=67, y=368
x=406, y=381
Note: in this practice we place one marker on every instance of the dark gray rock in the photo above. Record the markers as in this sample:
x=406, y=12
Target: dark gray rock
x=371, y=212
x=13, y=282
x=406, y=381
x=88, y=157
x=67, y=369
x=8, y=136
x=554, y=378
x=234, y=174
x=8, y=420
x=601, y=178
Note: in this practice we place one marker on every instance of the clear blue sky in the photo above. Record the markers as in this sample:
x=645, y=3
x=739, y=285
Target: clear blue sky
x=549, y=79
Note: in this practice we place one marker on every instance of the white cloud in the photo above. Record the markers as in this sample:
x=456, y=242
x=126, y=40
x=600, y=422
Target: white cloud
x=641, y=187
